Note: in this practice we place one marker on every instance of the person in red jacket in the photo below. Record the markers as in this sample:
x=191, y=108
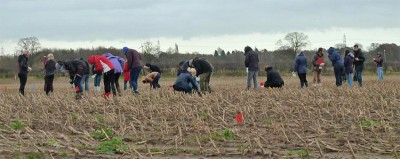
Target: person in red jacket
x=127, y=76
x=104, y=65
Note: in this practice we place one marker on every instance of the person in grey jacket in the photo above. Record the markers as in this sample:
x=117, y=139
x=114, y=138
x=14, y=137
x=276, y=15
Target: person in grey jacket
x=251, y=62
x=301, y=68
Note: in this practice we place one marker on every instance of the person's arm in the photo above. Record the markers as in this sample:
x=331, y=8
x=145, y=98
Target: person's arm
x=296, y=65
x=247, y=61
x=314, y=61
x=361, y=58
x=129, y=56
x=195, y=85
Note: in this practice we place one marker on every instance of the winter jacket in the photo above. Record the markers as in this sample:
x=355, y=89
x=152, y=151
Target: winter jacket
x=116, y=61
x=318, y=58
x=134, y=59
x=184, y=80
x=251, y=60
x=22, y=64
x=75, y=67
x=185, y=66
x=379, y=61
x=50, y=67
x=359, y=65
x=101, y=63
x=201, y=66
x=127, y=73
x=301, y=64
x=334, y=56
x=87, y=72
x=348, y=63
x=150, y=77
x=273, y=78
x=98, y=73
x=153, y=68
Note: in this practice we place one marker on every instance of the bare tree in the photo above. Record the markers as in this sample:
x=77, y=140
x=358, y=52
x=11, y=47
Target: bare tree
x=373, y=46
x=294, y=40
x=31, y=44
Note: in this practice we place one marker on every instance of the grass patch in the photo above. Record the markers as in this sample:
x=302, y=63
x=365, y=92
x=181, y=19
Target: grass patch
x=204, y=115
x=301, y=153
x=112, y=146
x=99, y=134
x=18, y=124
x=35, y=155
x=369, y=123
x=226, y=134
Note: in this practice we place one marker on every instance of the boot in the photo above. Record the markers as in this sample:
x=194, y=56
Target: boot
x=119, y=91
x=106, y=95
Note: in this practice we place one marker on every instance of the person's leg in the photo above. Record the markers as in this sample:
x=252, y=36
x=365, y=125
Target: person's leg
x=315, y=77
x=134, y=78
x=203, y=82
x=380, y=73
x=249, y=76
x=46, y=84
x=359, y=78
x=319, y=76
x=350, y=79
x=51, y=88
x=255, y=79
x=87, y=83
x=301, y=79
x=337, y=76
x=22, y=80
x=208, y=78
x=116, y=81
x=125, y=85
x=305, y=79
x=155, y=81
x=112, y=84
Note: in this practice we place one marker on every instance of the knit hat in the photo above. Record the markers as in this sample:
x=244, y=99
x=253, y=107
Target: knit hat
x=125, y=50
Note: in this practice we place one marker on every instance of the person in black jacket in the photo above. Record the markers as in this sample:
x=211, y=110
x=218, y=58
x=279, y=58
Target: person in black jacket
x=50, y=68
x=85, y=78
x=76, y=69
x=152, y=68
x=23, y=70
x=204, y=71
x=358, y=64
x=274, y=80
x=251, y=62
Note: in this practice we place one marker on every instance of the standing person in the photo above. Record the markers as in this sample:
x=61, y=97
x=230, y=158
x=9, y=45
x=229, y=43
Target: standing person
x=23, y=70
x=348, y=67
x=318, y=63
x=118, y=63
x=134, y=66
x=76, y=70
x=274, y=80
x=358, y=64
x=204, y=71
x=301, y=68
x=85, y=78
x=338, y=65
x=127, y=76
x=379, y=65
x=104, y=65
x=152, y=78
x=50, y=68
x=251, y=62
x=96, y=78
x=186, y=83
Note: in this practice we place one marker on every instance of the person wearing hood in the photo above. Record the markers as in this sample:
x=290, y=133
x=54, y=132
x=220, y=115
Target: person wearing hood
x=301, y=68
x=134, y=66
x=23, y=70
x=104, y=65
x=358, y=64
x=337, y=63
x=379, y=65
x=274, y=80
x=49, y=68
x=318, y=63
x=118, y=64
x=85, y=78
x=186, y=83
x=348, y=67
x=251, y=63
x=76, y=69
x=204, y=71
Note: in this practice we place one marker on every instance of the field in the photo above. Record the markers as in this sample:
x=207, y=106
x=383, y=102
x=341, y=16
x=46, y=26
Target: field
x=315, y=122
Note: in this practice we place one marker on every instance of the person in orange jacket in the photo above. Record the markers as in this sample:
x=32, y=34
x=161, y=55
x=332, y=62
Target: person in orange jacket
x=153, y=79
x=104, y=65
x=127, y=76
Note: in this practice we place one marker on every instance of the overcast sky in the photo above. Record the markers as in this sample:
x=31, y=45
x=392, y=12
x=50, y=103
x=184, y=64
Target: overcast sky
x=196, y=25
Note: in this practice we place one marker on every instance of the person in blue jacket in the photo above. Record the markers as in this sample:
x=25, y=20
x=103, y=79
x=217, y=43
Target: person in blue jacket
x=301, y=68
x=186, y=83
x=338, y=65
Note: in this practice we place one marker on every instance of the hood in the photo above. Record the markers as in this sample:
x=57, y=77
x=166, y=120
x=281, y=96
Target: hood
x=148, y=65
x=125, y=50
x=268, y=68
x=108, y=55
x=91, y=59
x=331, y=50
x=247, y=49
x=301, y=54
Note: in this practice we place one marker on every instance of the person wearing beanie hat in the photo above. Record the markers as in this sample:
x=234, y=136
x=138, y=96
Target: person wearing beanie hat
x=251, y=63
x=318, y=63
x=348, y=67
x=358, y=64
x=379, y=65
x=134, y=66
x=301, y=68
x=338, y=65
x=49, y=68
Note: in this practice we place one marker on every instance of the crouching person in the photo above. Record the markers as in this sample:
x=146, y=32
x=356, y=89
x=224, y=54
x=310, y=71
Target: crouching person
x=76, y=70
x=152, y=78
x=186, y=83
x=274, y=80
x=104, y=65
